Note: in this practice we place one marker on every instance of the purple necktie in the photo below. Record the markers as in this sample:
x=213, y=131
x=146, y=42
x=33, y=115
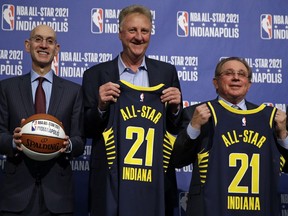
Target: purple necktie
x=40, y=100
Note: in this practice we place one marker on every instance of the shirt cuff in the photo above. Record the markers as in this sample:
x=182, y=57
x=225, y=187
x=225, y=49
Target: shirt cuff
x=283, y=142
x=192, y=132
x=101, y=113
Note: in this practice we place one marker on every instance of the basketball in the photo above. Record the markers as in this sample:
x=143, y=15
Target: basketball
x=42, y=137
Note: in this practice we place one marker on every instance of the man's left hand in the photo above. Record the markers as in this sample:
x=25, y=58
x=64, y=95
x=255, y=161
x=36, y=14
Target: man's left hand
x=172, y=96
x=280, y=119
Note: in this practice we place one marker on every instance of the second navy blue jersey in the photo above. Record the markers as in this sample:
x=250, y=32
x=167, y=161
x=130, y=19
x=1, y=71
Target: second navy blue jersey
x=138, y=150
x=240, y=168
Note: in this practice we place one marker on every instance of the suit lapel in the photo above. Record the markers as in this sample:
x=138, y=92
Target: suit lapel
x=153, y=75
x=25, y=90
x=110, y=72
x=56, y=95
x=250, y=105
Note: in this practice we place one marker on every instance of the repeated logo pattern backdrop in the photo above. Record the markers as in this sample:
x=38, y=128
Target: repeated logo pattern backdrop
x=192, y=35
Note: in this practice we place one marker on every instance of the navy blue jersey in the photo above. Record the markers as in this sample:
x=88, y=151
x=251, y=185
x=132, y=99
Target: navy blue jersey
x=138, y=151
x=240, y=167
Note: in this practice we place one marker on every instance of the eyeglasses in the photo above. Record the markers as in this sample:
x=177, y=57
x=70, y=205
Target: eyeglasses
x=39, y=39
x=230, y=73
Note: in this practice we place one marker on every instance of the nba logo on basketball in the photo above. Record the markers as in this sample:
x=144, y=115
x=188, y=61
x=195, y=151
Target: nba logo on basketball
x=266, y=26
x=34, y=125
x=97, y=20
x=8, y=17
x=182, y=24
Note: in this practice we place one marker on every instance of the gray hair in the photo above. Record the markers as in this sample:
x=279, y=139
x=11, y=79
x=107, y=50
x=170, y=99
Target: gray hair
x=134, y=9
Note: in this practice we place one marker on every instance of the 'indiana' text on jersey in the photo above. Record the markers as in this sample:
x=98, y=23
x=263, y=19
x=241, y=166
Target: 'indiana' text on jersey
x=138, y=150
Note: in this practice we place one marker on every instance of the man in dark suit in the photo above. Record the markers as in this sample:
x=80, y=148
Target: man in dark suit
x=32, y=187
x=100, y=90
x=232, y=81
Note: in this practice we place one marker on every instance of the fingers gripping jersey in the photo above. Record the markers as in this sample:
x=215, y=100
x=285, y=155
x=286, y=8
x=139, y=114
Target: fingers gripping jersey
x=138, y=150
x=240, y=169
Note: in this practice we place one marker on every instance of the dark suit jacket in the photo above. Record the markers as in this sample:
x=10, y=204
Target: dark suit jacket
x=284, y=152
x=158, y=72
x=21, y=173
x=185, y=152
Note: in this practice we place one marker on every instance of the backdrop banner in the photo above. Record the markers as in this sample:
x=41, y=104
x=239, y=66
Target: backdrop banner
x=192, y=35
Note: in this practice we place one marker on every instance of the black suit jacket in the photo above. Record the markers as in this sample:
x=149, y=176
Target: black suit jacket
x=20, y=172
x=158, y=72
x=185, y=152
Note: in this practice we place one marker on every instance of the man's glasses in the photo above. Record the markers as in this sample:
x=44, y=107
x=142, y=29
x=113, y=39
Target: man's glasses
x=39, y=40
x=232, y=73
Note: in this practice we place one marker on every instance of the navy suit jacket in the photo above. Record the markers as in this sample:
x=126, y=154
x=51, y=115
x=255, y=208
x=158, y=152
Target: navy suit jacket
x=158, y=72
x=20, y=172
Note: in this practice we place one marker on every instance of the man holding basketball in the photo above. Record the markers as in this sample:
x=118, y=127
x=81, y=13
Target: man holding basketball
x=33, y=187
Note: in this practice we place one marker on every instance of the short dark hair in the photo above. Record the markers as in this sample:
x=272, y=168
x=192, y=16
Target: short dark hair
x=224, y=60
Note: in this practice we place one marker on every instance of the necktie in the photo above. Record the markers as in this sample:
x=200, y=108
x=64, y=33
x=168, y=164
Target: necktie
x=40, y=100
x=236, y=107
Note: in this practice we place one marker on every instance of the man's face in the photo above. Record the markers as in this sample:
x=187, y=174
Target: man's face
x=232, y=84
x=42, y=46
x=135, y=34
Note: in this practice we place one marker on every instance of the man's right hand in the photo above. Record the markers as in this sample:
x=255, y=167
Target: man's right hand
x=17, y=136
x=200, y=116
x=108, y=92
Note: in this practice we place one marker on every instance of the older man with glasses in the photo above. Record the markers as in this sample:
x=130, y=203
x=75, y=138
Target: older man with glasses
x=237, y=154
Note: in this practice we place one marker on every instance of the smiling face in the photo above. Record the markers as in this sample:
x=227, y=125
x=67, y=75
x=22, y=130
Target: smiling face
x=42, y=46
x=232, y=83
x=134, y=34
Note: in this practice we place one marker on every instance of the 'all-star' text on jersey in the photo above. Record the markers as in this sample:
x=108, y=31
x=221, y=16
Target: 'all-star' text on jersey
x=138, y=149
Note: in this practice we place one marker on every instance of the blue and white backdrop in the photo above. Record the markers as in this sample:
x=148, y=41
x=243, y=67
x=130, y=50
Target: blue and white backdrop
x=192, y=35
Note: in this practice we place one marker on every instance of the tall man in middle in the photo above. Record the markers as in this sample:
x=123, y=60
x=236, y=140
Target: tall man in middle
x=101, y=92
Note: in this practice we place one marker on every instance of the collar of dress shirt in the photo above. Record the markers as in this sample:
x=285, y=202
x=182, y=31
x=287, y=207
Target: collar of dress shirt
x=122, y=67
x=48, y=76
x=241, y=104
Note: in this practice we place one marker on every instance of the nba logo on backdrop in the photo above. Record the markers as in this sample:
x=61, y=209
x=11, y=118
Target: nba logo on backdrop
x=182, y=24
x=186, y=103
x=268, y=104
x=97, y=20
x=55, y=65
x=266, y=26
x=8, y=17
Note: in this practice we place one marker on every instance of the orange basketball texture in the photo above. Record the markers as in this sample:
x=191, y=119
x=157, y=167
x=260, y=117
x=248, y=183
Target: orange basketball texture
x=42, y=133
